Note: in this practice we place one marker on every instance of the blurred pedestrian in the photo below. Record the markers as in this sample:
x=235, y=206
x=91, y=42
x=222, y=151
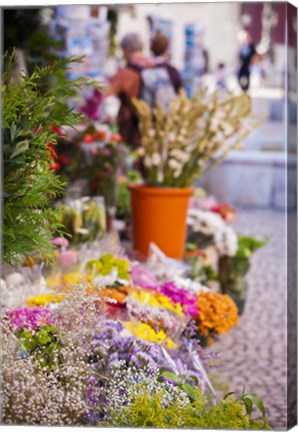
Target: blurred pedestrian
x=201, y=57
x=246, y=54
x=127, y=84
x=258, y=75
x=159, y=47
x=221, y=76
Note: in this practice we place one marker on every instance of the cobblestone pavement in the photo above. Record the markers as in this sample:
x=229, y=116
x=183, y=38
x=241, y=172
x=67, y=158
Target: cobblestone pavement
x=254, y=353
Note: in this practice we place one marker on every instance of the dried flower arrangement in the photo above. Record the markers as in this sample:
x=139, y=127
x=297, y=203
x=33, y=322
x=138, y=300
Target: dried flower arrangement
x=180, y=145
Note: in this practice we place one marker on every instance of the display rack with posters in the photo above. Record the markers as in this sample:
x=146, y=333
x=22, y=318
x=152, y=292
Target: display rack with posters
x=83, y=34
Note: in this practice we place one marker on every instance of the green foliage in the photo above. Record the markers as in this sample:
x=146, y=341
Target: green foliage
x=231, y=270
x=181, y=383
x=106, y=264
x=29, y=186
x=248, y=244
x=229, y=413
x=43, y=345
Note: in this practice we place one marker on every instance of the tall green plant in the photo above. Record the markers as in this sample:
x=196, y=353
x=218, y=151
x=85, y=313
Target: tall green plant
x=29, y=186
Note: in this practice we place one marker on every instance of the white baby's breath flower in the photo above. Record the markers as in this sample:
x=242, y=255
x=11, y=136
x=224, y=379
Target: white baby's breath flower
x=141, y=151
x=151, y=133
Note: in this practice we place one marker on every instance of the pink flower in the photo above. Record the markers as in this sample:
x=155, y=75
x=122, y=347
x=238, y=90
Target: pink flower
x=187, y=299
x=60, y=242
x=67, y=258
x=30, y=318
x=142, y=277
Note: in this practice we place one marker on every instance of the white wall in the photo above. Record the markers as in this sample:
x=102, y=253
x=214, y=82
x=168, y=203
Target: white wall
x=220, y=21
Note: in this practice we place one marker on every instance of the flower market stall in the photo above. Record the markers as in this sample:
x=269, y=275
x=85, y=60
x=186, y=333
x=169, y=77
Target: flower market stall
x=102, y=332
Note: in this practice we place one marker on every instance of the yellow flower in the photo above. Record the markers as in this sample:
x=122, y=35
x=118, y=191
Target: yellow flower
x=157, y=300
x=147, y=333
x=75, y=278
x=44, y=299
x=53, y=281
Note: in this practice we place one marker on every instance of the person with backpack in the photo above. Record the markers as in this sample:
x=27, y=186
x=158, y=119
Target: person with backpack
x=151, y=80
x=159, y=47
x=127, y=84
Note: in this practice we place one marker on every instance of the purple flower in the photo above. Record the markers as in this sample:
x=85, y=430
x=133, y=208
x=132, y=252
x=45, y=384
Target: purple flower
x=92, y=105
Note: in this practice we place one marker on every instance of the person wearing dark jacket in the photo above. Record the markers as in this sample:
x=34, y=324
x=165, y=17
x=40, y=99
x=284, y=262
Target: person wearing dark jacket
x=247, y=52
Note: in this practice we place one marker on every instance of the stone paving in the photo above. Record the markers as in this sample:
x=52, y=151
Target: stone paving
x=254, y=353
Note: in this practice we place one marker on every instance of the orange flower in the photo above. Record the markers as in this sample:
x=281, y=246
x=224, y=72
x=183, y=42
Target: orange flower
x=217, y=313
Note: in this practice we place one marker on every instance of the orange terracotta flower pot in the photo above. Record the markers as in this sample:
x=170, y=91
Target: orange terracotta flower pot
x=159, y=216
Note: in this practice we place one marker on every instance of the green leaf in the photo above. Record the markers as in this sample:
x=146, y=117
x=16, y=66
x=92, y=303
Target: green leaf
x=21, y=147
x=190, y=246
x=43, y=338
x=170, y=375
x=228, y=394
x=248, y=405
x=258, y=402
x=13, y=131
x=195, y=379
x=189, y=390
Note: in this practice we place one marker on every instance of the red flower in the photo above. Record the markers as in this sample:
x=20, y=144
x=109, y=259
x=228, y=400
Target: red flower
x=58, y=130
x=116, y=138
x=55, y=167
x=64, y=159
x=101, y=135
x=226, y=211
x=88, y=138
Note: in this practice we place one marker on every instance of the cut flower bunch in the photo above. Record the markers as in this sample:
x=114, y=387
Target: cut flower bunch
x=180, y=145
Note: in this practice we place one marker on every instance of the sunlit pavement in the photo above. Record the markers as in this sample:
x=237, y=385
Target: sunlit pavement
x=254, y=353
